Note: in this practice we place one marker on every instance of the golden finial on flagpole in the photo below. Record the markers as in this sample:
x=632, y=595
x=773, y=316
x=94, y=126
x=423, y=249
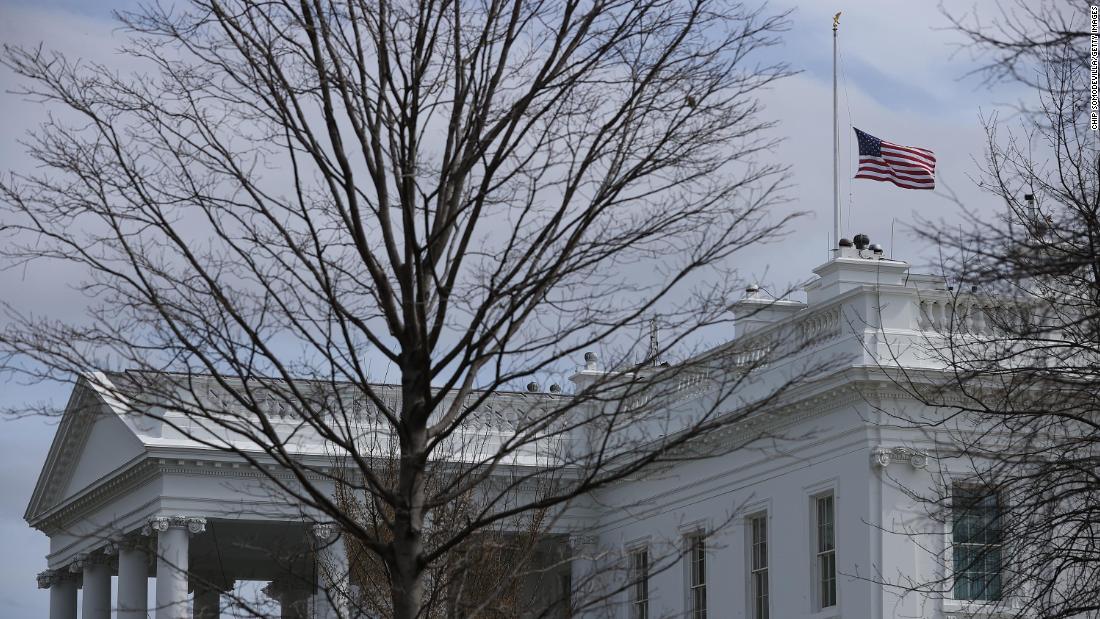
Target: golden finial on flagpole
x=836, y=21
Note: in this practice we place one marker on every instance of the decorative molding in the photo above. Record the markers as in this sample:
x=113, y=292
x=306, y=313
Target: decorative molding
x=161, y=524
x=774, y=417
x=325, y=533
x=882, y=456
x=67, y=442
x=57, y=518
x=135, y=541
x=578, y=540
x=140, y=472
x=91, y=558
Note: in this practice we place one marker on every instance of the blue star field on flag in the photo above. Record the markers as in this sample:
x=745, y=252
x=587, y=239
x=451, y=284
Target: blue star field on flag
x=908, y=167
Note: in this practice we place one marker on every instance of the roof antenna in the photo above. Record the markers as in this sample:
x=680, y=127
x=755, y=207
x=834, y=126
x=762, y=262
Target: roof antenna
x=892, y=220
x=654, y=344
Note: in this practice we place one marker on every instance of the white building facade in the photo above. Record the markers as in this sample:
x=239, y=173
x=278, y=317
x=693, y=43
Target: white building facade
x=815, y=519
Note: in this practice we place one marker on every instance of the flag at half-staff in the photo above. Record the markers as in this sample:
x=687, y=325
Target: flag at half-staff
x=907, y=167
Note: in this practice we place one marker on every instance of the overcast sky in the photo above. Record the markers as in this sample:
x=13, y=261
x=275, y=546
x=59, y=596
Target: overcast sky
x=904, y=83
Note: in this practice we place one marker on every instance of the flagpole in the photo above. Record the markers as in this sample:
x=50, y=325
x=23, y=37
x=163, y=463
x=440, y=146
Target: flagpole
x=836, y=147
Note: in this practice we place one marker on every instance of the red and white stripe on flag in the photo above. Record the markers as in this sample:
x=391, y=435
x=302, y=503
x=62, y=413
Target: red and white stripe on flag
x=908, y=167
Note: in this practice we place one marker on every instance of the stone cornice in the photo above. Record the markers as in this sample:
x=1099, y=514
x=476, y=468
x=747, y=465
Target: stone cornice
x=134, y=475
x=70, y=435
x=853, y=385
x=151, y=466
x=100, y=557
x=709, y=487
x=789, y=411
x=140, y=472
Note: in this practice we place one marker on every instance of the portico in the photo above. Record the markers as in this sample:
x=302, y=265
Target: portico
x=126, y=496
x=194, y=560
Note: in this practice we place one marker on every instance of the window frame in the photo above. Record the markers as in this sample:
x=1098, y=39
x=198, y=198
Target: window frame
x=826, y=594
x=951, y=545
x=1010, y=603
x=758, y=573
x=695, y=554
x=639, y=587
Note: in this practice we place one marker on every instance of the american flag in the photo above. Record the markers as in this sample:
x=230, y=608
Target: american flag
x=908, y=167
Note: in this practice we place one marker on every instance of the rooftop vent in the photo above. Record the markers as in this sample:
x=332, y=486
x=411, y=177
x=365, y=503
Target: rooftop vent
x=590, y=360
x=532, y=386
x=861, y=241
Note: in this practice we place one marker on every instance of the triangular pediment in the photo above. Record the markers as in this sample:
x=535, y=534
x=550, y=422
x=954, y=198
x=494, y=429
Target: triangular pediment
x=91, y=441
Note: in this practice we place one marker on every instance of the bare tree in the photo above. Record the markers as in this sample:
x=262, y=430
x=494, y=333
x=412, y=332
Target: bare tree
x=1019, y=337
x=1014, y=40
x=291, y=203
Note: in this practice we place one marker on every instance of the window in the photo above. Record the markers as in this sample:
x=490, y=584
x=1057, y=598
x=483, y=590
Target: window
x=758, y=566
x=976, y=540
x=697, y=576
x=826, y=550
x=639, y=589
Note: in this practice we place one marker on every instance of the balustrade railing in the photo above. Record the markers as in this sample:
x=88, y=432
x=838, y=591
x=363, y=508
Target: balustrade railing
x=971, y=315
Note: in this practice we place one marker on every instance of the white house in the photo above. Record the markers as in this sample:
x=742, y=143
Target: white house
x=806, y=525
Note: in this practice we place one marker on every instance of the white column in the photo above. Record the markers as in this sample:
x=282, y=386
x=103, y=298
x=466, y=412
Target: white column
x=333, y=580
x=62, y=586
x=133, y=581
x=173, y=533
x=96, y=603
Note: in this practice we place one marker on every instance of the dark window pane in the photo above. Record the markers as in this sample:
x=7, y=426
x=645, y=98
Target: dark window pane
x=976, y=537
x=698, y=571
x=826, y=552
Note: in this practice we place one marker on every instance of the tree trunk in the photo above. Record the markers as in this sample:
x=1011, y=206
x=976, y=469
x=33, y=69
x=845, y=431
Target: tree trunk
x=407, y=574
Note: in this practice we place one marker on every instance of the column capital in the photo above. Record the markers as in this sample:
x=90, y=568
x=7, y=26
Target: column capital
x=583, y=540
x=161, y=524
x=882, y=456
x=325, y=533
x=49, y=578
